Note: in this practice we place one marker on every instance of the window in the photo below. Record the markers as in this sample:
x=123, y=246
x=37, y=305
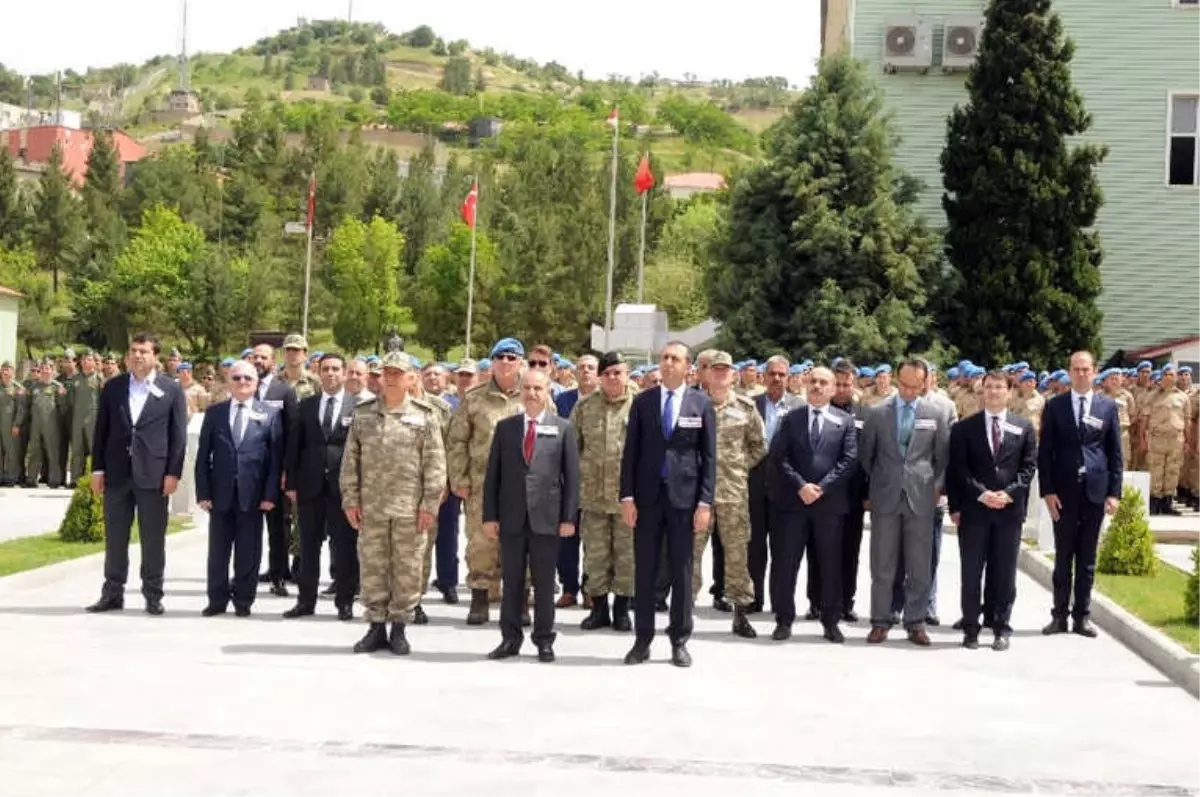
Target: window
x=1187, y=3
x=1181, y=146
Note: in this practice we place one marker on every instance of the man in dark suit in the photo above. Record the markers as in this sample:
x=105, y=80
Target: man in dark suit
x=140, y=439
x=993, y=456
x=844, y=377
x=313, y=467
x=238, y=463
x=530, y=500
x=813, y=457
x=568, y=552
x=278, y=395
x=668, y=476
x=1080, y=471
x=773, y=405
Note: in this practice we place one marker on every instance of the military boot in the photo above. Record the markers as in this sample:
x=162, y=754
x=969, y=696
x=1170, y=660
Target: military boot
x=1168, y=508
x=741, y=625
x=478, y=613
x=599, y=617
x=375, y=639
x=397, y=642
x=620, y=614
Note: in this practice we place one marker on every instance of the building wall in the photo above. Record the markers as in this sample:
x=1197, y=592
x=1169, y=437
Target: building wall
x=8, y=329
x=1129, y=56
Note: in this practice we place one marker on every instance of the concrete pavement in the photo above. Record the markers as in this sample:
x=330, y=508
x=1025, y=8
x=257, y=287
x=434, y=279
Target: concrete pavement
x=128, y=704
x=25, y=513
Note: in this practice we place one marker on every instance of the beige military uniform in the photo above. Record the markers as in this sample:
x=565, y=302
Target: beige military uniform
x=197, y=400
x=1165, y=416
x=219, y=392
x=966, y=403
x=1141, y=394
x=741, y=444
x=305, y=385
x=1029, y=407
x=600, y=423
x=1190, y=478
x=872, y=397
x=394, y=466
x=1126, y=415
x=444, y=410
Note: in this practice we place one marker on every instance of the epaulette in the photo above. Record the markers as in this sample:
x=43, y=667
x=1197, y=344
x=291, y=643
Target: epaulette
x=368, y=404
x=423, y=404
x=746, y=400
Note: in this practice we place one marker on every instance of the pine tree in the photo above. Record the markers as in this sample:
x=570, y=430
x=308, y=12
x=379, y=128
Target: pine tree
x=823, y=255
x=58, y=220
x=1021, y=199
x=14, y=213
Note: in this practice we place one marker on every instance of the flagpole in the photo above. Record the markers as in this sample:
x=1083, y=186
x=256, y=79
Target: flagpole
x=612, y=237
x=308, y=256
x=642, y=250
x=471, y=269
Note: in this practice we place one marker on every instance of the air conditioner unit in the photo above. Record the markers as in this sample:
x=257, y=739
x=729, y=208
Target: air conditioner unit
x=907, y=44
x=960, y=42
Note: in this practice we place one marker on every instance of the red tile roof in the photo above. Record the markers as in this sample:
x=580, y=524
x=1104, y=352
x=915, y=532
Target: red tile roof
x=34, y=144
x=10, y=292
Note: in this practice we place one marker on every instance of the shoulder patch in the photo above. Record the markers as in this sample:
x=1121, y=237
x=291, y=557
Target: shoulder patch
x=423, y=404
x=369, y=404
x=745, y=401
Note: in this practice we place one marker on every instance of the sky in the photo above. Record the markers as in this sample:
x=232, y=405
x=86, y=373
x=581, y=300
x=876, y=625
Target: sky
x=716, y=39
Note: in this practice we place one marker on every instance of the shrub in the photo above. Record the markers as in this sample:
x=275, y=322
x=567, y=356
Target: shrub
x=1128, y=547
x=84, y=521
x=1191, y=597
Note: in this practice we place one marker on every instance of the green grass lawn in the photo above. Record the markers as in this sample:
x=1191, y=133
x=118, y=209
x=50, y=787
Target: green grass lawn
x=27, y=553
x=1157, y=600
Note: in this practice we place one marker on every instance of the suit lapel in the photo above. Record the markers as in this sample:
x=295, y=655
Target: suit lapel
x=894, y=428
x=657, y=411
x=125, y=401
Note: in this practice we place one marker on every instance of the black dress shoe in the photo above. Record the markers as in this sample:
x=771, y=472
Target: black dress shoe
x=106, y=604
x=638, y=654
x=932, y=620
x=850, y=616
x=971, y=642
x=812, y=614
x=782, y=632
x=265, y=578
x=345, y=613
x=419, y=616
x=450, y=596
x=374, y=639
x=958, y=624
x=754, y=608
x=834, y=635
x=660, y=605
x=1000, y=643
x=721, y=604
x=680, y=656
x=545, y=653
x=397, y=641
x=1056, y=626
x=241, y=611
x=299, y=611
x=741, y=625
x=1084, y=628
x=154, y=607
x=212, y=611
x=331, y=589
x=505, y=650
x=278, y=589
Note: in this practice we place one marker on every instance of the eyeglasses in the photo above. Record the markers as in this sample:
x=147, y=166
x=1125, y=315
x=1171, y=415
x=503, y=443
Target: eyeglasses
x=241, y=378
x=506, y=358
x=539, y=364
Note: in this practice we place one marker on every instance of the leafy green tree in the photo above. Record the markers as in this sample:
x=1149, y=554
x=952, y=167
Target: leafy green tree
x=342, y=180
x=383, y=190
x=1022, y=197
x=821, y=257
x=439, y=47
x=456, y=75
x=364, y=265
x=58, y=229
x=676, y=269
x=212, y=305
x=14, y=212
x=102, y=196
x=439, y=292
x=420, y=210
x=41, y=306
x=420, y=37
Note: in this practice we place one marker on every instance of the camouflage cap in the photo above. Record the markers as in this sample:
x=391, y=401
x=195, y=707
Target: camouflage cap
x=375, y=368
x=397, y=360
x=722, y=359
x=110, y=358
x=6, y=364
x=295, y=341
x=68, y=354
x=465, y=366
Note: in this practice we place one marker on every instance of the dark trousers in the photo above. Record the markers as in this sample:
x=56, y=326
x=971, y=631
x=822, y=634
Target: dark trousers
x=568, y=562
x=323, y=517
x=661, y=525
x=446, y=543
x=793, y=533
x=761, y=518
x=717, y=590
x=240, y=534
x=852, y=534
x=1076, y=535
x=120, y=503
x=939, y=517
x=540, y=553
x=989, y=547
x=277, y=543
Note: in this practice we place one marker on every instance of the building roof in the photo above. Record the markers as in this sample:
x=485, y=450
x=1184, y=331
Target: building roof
x=1166, y=347
x=700, y=181
x=34, y=144
x=10, y=292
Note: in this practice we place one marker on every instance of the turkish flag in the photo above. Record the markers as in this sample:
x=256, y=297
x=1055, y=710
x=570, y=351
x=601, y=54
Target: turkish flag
x=468, y=205
x=645, y=178
x=312, y=202
x=612, y=119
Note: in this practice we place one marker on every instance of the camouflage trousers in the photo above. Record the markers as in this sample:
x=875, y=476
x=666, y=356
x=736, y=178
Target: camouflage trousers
x=607, y=553
x=1165, y=461
x=731, y=521
x=1126, y=450
x=1190, y=477
x=390, y=551
x=483, y=554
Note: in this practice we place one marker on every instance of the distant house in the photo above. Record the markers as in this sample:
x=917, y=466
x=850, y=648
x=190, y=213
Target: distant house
x=319, y=83
x=684, y=186
x=30, y=147
x=183, y=101
x=10, y=308
x=482, y=127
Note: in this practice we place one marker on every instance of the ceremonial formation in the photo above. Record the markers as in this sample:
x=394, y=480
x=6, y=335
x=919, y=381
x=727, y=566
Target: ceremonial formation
x=634, y=470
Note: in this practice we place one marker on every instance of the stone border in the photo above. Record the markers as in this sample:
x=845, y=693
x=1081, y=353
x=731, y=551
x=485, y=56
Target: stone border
x=1165, y=654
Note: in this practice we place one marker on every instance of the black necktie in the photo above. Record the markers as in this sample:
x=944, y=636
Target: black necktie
x=328, y=420
x=814, y=434
x=1082, y=404
x=239, y=424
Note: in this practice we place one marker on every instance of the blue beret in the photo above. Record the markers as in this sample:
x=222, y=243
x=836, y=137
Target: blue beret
x=834, y=363
x=316, y=354
x=416, y=363
x=953, y=372
x=637, y=372
x=228, y=361
x=883, y=369
x=795, y=370
x=651, y=369
x=1021, y=366
x=1097, y=380
x=866, y=372
x=1007, y=368
x=1043, y=374
x=1028, y=376
x=1156, y=375
x=1145, y=365
x=762, y=368
x=1169, y=368
x=507, y=346
x=750, y=364
x=484, y=364
x=1043, y=383
x=806, y=366
x=1058, y=374
x=1185, y=369
x=1064, y=380
x=565, y=363
x=371, y=358
x=184, y=366
x=965, y=365
x=246, y=353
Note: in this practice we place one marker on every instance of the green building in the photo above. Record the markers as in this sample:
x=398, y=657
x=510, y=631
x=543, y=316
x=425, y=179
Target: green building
x=1137, y=63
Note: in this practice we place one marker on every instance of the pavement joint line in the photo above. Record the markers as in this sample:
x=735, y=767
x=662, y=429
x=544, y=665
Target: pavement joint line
x=791, y=773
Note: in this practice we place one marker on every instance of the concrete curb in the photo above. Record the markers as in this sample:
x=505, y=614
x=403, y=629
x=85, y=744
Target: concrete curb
x=1164, y=653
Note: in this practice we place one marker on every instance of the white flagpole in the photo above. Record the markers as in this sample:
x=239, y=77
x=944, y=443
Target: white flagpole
x=308, y=258
x=471, y=269
x=642, y=250
x=612, y=237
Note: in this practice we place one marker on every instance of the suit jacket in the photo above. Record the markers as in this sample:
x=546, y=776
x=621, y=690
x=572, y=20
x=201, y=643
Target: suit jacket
x=281, y=396
x=974, y=470
x=1063, y=452
x=235, y=476
x=856, y=489
x=315, y=455
x=759, y=490
x=145, y=452
x=540, y=494
x=794, y=461
x=690, y=453
x=565, y=401
x=915, y=478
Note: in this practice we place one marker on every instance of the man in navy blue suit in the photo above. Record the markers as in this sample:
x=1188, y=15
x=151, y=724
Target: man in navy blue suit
x=668, y=474
x=1080, y=471
x=238, y=467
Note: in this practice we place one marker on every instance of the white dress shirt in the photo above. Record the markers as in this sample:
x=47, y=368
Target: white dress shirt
x=1087, y=405
x=337, y=399
x=1002, y=417
x=248, y=406
x=264, y=383
x=819, y=414
x=139, y=393
x=676, y=403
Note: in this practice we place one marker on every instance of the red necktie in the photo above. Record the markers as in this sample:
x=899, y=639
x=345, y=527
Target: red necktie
x=529, y=440
x=997, y=437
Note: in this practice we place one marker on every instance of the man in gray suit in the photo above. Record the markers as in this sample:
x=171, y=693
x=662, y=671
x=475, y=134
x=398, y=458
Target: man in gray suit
x=905, y=447
x=530, y=500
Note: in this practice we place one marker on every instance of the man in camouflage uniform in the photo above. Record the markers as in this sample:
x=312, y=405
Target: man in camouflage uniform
x=295, y=372
x=424, y=389
x=1189, y=477
x=741, y=444
x=392, y=500
x=600, y=419
x=1164, y=418
x=749, y=385
x=1027, y=402
x=67, y=371
x=195, y=394
x=47, y=399
x=1141, y=390
x=220, y=388
x=84, y=395
x=1110, y=382
x=13, y=406
x=882, y=390
x=468, y=445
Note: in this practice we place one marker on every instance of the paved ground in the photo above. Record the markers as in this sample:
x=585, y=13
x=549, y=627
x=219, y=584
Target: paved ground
x=127, y=704
x=25, y=513
x=1179, y=555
